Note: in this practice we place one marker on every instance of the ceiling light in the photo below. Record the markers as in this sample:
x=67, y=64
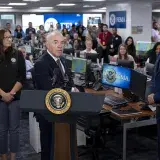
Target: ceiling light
x=88, y=6
x=31, y=0
x=66, y=4
x=93, y=0
x=17, y=4
x=5, y=7
x=156, y=10
x=46, y=7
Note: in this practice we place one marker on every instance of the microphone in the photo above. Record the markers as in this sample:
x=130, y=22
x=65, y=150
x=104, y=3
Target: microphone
x=55, y=76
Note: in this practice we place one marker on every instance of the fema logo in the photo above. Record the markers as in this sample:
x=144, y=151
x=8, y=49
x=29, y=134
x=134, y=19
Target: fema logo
x=110, y=75
x=112, y=19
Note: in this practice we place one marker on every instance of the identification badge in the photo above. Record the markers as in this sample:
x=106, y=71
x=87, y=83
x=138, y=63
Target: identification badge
x=13, y=60
x=111, y=46
x=116, y=38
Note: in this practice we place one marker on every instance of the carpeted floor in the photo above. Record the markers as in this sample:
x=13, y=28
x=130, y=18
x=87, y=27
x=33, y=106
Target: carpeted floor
x=138, y=147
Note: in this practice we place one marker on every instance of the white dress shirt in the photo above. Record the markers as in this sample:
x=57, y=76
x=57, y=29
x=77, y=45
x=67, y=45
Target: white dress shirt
x=55, y=58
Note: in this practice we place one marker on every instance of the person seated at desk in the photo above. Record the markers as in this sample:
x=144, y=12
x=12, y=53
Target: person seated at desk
x=152, y=54
x=67, y=45
x=89, y=49
x=122, y=54
x=28, y=63
x=131, y=49
x=19, y=33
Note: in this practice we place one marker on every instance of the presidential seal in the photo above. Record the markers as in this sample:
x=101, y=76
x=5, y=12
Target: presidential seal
x=110, y=75
x=58, y=101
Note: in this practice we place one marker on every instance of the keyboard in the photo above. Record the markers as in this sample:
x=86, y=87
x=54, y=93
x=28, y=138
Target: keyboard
x=79, y=80
x=114, y=101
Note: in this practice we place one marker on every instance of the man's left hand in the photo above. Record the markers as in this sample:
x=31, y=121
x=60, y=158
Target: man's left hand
x=151, y=99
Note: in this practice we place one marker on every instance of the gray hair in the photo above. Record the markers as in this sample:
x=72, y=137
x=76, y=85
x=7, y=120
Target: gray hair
x=51, y=34
x=21, y=47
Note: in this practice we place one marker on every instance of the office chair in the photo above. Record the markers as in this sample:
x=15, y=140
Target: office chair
x=96, y=128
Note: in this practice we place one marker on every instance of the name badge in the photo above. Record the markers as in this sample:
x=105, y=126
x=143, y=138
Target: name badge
x=116, y=38
x=111, y=45
x=13, y=60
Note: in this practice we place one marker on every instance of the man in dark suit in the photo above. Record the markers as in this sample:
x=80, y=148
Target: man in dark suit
x=155, y=96
x=51, y=72
x=114, y=42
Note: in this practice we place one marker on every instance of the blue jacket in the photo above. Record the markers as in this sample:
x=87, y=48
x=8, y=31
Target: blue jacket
x=156, y=81
x=16, y=33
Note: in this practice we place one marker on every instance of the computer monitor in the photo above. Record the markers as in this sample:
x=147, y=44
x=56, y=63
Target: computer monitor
x=79, y=65
x=68, y=51
x=125, y=63
x=144, y=46
x=91, y=56
x=69, y=59
x=138, y=84
x=116, y=76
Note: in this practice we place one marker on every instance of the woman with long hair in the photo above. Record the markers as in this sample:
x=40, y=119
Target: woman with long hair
x=131, y=49
x=151, y=55
x=123, y=55
x=18, y=33
x=12, y=73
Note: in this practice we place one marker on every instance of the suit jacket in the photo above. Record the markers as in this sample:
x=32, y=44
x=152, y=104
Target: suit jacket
x=156, y=80
x=44, y=71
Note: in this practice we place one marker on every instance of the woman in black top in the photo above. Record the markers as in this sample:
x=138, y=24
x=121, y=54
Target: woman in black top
x=152, y=54
x=131, y=49
x=12, y=76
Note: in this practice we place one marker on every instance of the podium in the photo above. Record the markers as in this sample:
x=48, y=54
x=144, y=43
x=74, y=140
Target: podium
x=64, y=125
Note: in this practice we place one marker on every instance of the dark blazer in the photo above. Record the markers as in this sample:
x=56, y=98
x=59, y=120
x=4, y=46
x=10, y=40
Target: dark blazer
x=151, y=54
x=156, y=86
x=46, y=71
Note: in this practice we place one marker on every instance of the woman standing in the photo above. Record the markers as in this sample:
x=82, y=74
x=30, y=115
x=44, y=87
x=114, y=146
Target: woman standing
x=12, y=77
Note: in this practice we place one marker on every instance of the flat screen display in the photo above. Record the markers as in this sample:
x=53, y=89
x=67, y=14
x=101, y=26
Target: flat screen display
x=116, y=76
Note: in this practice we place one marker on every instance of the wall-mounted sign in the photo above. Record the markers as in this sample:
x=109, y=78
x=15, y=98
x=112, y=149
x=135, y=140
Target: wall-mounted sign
x=117, y=19
x=137, y=29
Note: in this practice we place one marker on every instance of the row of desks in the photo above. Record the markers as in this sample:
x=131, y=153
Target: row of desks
x=130, y=120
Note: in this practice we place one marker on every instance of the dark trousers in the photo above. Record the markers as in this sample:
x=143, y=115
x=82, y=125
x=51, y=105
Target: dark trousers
x=103, y=53
x=45, y=137
x=9, y=123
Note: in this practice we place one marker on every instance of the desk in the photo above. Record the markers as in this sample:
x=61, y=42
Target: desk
x=128, y=121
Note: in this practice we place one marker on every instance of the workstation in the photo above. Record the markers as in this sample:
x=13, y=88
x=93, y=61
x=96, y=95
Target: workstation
x=84, y=76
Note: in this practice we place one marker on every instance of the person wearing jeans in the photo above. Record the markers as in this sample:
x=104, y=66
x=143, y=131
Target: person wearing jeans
x=12, y=77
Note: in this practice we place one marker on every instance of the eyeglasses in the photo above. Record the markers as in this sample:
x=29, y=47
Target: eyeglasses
x=8, y=37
